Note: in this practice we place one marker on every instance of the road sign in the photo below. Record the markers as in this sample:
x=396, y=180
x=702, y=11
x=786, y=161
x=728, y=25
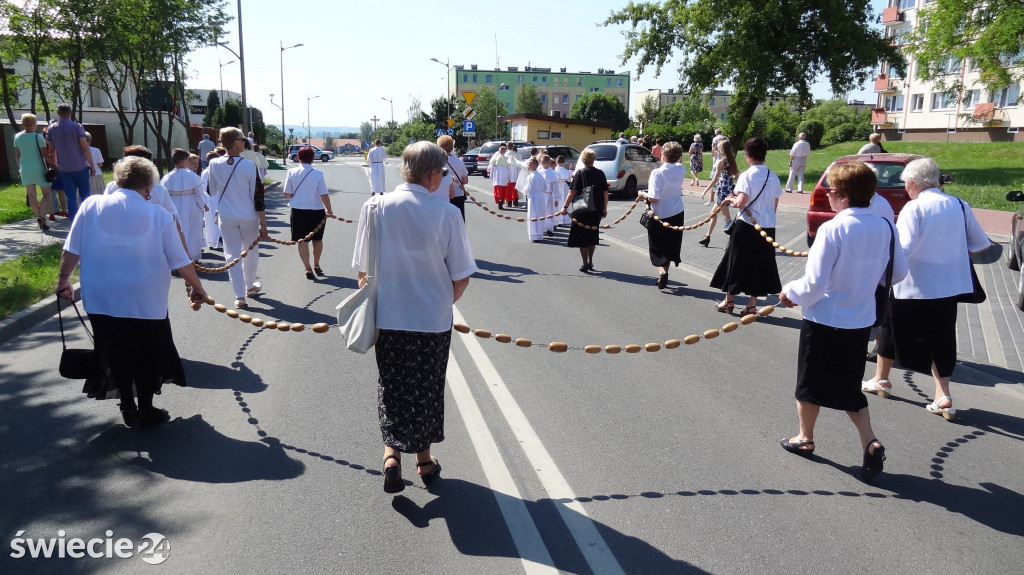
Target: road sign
x=469, y=113
x=439, y=133
x=450, y=122
x=469, y=134
x=469, y=96
x=468, y=126
x=450, y=132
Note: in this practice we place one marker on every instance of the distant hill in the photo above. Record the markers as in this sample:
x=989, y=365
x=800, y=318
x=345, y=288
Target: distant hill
x=333, y=131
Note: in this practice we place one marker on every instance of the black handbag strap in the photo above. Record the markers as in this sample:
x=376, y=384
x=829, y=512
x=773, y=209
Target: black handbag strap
x=763, y=186
x=892, y=253
x=60, y=319
x=40, y=150
x=299, y=185
x=966, y=237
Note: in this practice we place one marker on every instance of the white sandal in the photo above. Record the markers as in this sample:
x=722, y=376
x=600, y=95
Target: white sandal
x=948, y=412
x=877, y=388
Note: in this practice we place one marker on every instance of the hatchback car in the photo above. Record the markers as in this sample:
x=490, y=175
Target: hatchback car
x=1015, y=252
x=887, y=167
x=324, y=155
x=469, y=160
x=571, y=154
x=483, y=157
x=626, y=166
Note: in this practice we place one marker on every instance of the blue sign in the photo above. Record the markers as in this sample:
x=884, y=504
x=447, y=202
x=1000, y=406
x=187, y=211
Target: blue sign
x=439, y=133
x=468, y=126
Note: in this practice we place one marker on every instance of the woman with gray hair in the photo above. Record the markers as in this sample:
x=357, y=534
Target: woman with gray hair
x=127, y=247
x=938, y=233
x=423, y=266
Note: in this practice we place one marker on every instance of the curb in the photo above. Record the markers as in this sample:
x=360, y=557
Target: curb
x=32, y=316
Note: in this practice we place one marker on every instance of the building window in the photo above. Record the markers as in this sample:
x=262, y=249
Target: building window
x=534, y=80
x=917, y=102
x=618, y=82
x=894, y=103
x=673, y=99
x=521, y=79
x=488, y=79
x=950, y=66
x=579, y=82
x=595, y=90
x=504, y=87
x=608, y=82
x=578, y=96
x=906, y=4
x=972, y=97
x=474, y=78
x=556, y=136
x=712, y=102
x=543, y=98
x=565, y=98
x=943, y=101
x=557, y=81
x=722, y=116
x=973, y=65
x=1006, y=97
x=893, y=72
x=543, y=80
x=543, y=134
x=465, y=78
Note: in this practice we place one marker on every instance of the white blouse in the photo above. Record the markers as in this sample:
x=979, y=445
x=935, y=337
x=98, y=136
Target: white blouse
x=237, y=202
x=750, y=183
x=666, y=186
x=158, y=196
x=423, y=248
x=128, y=247
x=881, y=208
x=932, y=233
x=845, y=264
x=456, y=169
x=305, y=185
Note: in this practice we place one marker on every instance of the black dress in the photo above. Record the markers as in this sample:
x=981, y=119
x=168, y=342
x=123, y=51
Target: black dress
x=830, y=363
x=748, y=265
x=580, y=237
x=664, y=244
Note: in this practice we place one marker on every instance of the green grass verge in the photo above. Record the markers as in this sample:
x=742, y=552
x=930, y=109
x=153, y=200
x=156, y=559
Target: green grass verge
x=12, y=201
x=29, y=278
x=982, y=172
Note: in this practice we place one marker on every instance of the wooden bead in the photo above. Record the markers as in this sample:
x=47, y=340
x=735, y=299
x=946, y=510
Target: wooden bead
x=503, y=338
x=348, y=221
x=789, y=252
x=612, y=349
x=257, y=322
x=320, y=327
x=558, y=347
x=766, y=310
x=232, y=314
x=243, y=254
x=656, y=218
x=730, y=327
x=508, y=217
x=748, y=319
x=776, y=245
x=482, y=334
x=220, y=307
x=764, y=234
x=461, y=328
x=298, y=327
x=284, y=326
x=666, y=224
x=520, y=220
x=672, y=344
x=592, y=349
x=209, y=300
x=769, y=239
x=757, y=227
x=523, y=342
x=652, y=347
x=234, y=261
x=196, y=306
x=691, y=339
x=711, y=334
x=632, y=348
x=245, y=318
x=271, y=324
x=629, y=211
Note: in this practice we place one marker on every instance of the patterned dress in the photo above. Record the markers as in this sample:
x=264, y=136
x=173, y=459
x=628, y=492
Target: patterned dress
x=696, y=157
x=725, y=185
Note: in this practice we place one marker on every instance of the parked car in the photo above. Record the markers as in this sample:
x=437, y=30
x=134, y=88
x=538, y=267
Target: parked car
x=888, y=169
x=571, y=154
x=470, y=160
x=626, y=166
x=324, y=155
x=1015, y=251
x=487, y=150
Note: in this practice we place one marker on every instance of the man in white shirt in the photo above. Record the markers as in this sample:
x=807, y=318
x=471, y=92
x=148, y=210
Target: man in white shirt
x=206, y=146
x=376, y=157
x=622, y=139
x=457, y=175
x=798, y=162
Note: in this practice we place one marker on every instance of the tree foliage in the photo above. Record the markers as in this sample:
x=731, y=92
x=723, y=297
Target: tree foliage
x=528, y=101
x=212, y=104
x=760, y=48
x=366, y=132
x=601, y=108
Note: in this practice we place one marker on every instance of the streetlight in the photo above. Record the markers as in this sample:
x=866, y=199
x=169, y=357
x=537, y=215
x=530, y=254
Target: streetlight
x=284, y=150
x=222, y=97
x=309, y=126
x=392, y=102
x=497, y=103
x=447, y=96
x=241, y=63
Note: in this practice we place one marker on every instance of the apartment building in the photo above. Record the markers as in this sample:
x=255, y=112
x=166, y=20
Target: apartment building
x=558, y=90
x=910, y=108
x=718, y=102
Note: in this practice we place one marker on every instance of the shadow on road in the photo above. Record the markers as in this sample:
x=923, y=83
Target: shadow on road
x=501, y=272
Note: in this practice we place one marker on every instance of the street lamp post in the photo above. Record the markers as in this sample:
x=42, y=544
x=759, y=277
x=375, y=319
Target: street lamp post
x=284, y=150
x=497, y=103
x=309, y=126
x=222, y=97
x=246, y=119
x=392, y=102
x=447, y=96
x=282, y=111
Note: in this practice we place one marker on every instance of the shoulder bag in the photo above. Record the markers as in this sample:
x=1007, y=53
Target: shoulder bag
x=583, y=203
x=883, y=293
x=357, y=315
x=729, y=228
x=77, y=363
x=50, y=173
x=977, y=295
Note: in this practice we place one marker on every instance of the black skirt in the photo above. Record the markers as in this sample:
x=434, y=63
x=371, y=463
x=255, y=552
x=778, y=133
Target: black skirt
x=131, y=350
x=830, y=366
x=663, y=243
x=582, y=238
x=410, y=393
x=923, y=331
x=305, y=221
x=748, y=265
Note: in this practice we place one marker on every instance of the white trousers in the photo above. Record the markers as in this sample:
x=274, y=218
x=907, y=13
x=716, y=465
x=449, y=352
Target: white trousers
x=796, y=173
x=212, y=232
x=238, y=234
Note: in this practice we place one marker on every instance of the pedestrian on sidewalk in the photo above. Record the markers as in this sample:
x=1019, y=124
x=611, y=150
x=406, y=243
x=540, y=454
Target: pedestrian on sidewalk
x=96, y=183
x=310, y=203
x=205, y=146
x=722, y=182
x=126, y=246
x=665, y=196
x=425, y=262
x=696, y=159
x=798, y=163
x=837, y=293
x=376, y=158
x=67, y=138
x=586, y=239
x=30, y=154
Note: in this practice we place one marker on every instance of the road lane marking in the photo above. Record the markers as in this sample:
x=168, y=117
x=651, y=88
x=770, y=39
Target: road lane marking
x=528, y=541
x=589, y=541
x=989, y=331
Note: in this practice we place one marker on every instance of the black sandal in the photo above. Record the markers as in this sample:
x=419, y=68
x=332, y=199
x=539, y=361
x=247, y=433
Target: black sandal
x=429, y=478
x=309, y=274
x=872, y=461
x=798, y=448
x=393, y=476
x=318, y=271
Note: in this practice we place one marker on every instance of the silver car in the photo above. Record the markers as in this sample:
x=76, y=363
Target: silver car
x=626, y=166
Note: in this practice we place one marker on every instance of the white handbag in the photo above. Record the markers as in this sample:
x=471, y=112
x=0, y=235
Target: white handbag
x=357, y=319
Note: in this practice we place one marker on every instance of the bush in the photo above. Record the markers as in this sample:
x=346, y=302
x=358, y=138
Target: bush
x=777, y=136
x=814, y=130
x=396, y=148
x=839, y=134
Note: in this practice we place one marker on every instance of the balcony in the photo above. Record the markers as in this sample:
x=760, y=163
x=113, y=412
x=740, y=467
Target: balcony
x=882, y=83
x=879, y=116
x=989, y=115
x=892, y=14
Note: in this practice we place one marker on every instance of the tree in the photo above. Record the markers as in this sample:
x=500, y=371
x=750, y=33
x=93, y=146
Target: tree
x=329, y=142
x=212, y=104
x=760, y=48
x=487, y=110
x=232, y=114
x=274, y=139
x=988, y=33
x=366, y=132
x=604, y=108
x=415, y=110
x=528, y=101
x=649, y=109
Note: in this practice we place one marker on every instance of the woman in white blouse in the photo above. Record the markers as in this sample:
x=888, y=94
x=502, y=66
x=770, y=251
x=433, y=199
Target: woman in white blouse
x=665, y=196
x=837, y=292
x=310, y=203
x=423, y=266
x=937, y=233
x=127, y=247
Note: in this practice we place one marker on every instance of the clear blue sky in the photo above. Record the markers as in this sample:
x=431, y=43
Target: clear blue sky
x=356, y=53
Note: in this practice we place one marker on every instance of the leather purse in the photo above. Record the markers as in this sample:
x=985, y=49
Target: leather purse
x=357, y=314
x=977, y=294
x=50, y=174
x=645, y=219
x=583, y=203
x=77, y=363
x=883, y=293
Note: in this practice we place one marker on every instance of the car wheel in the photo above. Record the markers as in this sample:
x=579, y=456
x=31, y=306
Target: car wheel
x=630, y=190
x=324, y=158
x=1011, y=257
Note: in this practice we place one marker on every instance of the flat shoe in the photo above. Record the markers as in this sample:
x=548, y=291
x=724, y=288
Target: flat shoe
x=240, y=303
x=948, y=412
x=393, y=476
x=663, y=281
x=435, y=471
x=872, y=461
x=309, y=274
x=256, y=288
x=797, y=448
x=725, y=307
x=876, y=388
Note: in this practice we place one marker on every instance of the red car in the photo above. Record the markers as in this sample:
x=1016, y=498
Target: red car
x=887, y=167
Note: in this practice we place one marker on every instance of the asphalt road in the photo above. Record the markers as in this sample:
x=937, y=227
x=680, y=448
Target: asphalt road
x=662, y=462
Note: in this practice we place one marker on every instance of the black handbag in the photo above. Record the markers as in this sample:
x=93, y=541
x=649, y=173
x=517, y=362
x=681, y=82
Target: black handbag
x=883, y=293
x=51, y=174
x=77, y=363
x=583, y=203
x=976, y=295
x=645, y=218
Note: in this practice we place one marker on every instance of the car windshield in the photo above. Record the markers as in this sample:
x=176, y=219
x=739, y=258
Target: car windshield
x=490, y=147
x=604, y=152
x=888, y=175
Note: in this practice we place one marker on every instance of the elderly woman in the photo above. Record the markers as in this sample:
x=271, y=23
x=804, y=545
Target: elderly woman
x=696, y=159
x=748, y=265
x=665, y=195
x=424, y=264
x=874, y=145
x=937, y=233
x=310, y=203
x=30, y=154
x=127, y=247
x=837, y=293
x=579, y=237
